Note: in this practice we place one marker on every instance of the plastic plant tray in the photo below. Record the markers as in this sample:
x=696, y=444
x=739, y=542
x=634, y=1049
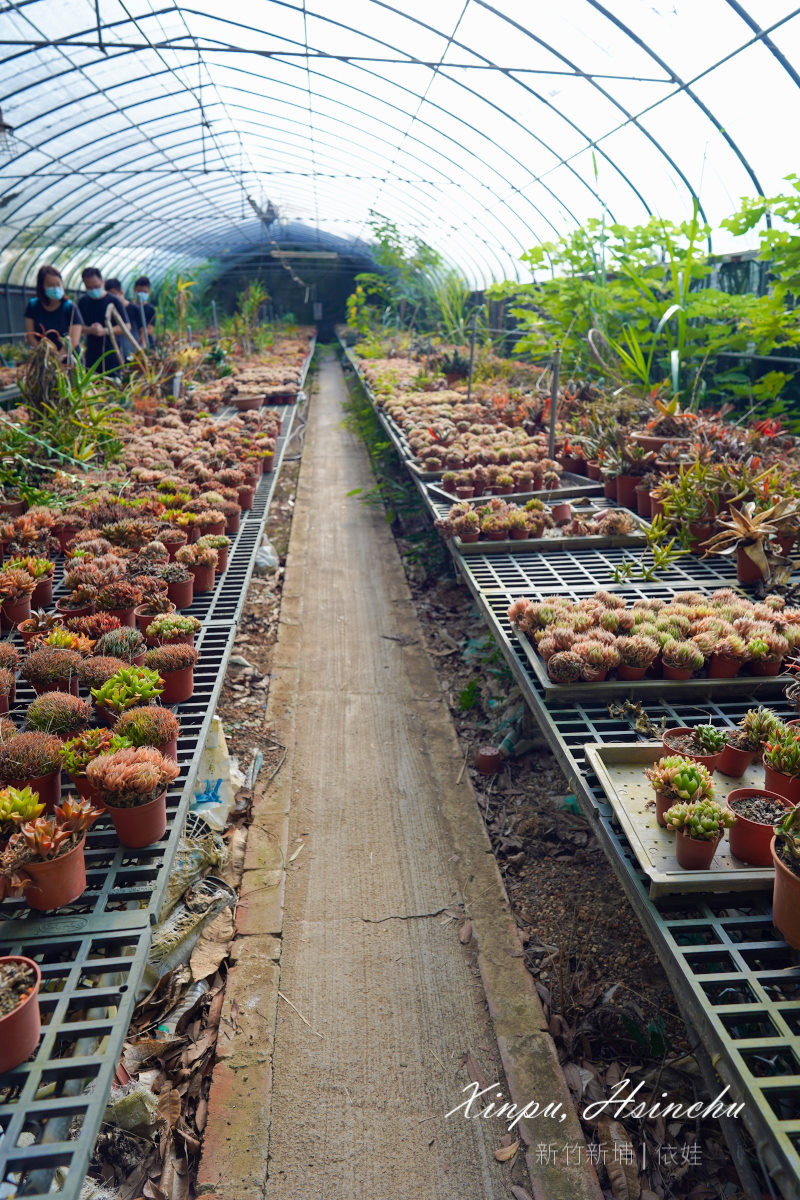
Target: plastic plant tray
x=52, y=1105
x=554, y=544
x=571, y=487
x=620, y=767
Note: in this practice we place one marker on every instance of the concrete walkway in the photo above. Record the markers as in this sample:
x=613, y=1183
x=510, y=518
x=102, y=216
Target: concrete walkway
x=377, y=1000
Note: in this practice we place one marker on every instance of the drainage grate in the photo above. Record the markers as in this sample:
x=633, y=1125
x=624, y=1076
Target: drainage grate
x=51, y=1107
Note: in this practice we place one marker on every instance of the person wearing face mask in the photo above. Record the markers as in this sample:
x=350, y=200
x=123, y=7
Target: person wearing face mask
x=93, y=306
x=50, y=314
x=141, y=292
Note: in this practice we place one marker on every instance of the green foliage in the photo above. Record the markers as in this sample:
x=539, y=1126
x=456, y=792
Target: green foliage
x=405, y=287
x=469, y=698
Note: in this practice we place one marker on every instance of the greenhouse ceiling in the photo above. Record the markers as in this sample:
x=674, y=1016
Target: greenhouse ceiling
x=153, y=135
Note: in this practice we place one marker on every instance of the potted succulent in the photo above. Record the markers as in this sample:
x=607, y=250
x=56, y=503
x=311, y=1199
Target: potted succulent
x=133, y=785
x=727, y=656
x=154, y=553
x=494, y=526
x=49, y=850
x=766, y=651
x=17, y=805
x=61, y=638
x=680, y=659
x=172, y=537
x=636, y=654
x=747, y=740
x=782, y=762
x=16, y=589
x=678, y=780
x=78, y=752
x=38, y=624
x=173, y=629
x=703, y=744
x=97, y=669
x=747, y=532
x=52, y=669
x=33, y=760
x=20, y=1020
x=202, y=562
x=700, y=827
x=175, y=665
x=210, y=523
x=58, y=713
x=80, y=602
x=127, y=688
x=119, y=598
x=152, y=606
x=152, y=726
x=180, y=586
x=786, y=888
x=757, y=811
x=41, y=570
x=220, y=543
x=6, y=688
x=467, y=526
x=125, y=643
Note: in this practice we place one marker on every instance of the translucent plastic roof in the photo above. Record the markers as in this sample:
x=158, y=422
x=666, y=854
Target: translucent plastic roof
x=143, y=126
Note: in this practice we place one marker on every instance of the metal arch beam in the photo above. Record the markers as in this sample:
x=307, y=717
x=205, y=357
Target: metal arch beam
x=763, y=36
x=682, y=87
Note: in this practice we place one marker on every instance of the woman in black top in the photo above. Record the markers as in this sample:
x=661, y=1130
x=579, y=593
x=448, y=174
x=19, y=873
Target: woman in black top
x=51, y=314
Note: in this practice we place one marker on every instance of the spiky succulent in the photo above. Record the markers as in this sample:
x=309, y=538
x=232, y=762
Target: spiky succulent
x=59, y=713
x=47, y=837
x=94, y=626
x=683, y=656
x=98, y=669
x=130, y=778
x=152, y=726
x=637, y=651
x=119, y=595
x=37, y=568
x=175, y=573
x=29, y=756
x=79, y=751
x=758, y=726
x=767, y=647
x=566, y=667
x=170, y=658
x=703, y=821
x=787, y=836
x=712, y=740
x=51, y=664
x=782, y=752
x=124, y=643
x=680, y=779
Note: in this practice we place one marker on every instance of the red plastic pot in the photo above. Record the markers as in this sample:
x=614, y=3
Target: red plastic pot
x=734, y=762
x=765, y=666
x=138, y=827
x=124, y=616
x=496, y=535
x=470, y=537
x=58, y=881
x=233, y=524
x=172, y=548
x=750, y=841
x=723, y=668
x=170, y=749
x=247, y=403
x=203, y=577
x=246, y=497
x=178, y=686
x=86, y=790
x=85, y=610
x=5, y=703
x=15, y=611
x=610, y=487
x=630, y=674
x=746, y=570
x=465, y=493
x=13, y=508
x=222, y=560
x=695, y=854
x=787, y=786
x=43, y=593
x=663, y=805
x=676, y=672
x=626, y=490
x=785, y=900
x=656, y=505
x=561, y=512
x=519, y=535
x=48, y=788
x=699, y=532
x=106, y=717
x=268, y=464
x=181, y=593
x=643, y=505
x=66, y=534
x=20, y=1029
x=61, y=685
x=709, y=761
x=214, y=527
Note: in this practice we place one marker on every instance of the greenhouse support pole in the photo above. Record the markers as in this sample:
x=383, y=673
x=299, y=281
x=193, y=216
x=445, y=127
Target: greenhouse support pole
x=551, y=445
x=145, y=339
x=472, y=355
x=214, y=319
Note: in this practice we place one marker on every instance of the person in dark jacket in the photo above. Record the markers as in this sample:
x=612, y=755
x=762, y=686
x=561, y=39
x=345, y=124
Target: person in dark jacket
x=51, y=314
x=94, y=305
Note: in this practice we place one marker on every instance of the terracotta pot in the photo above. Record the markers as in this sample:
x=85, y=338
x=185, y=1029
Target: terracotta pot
x=610, y=487
x=734, y=762
x=215, y=527
x=124, y=616
x=643, y=505
x=14, y=612
x=85, y=610
x=470, y=537
x=20, y=1029
x=656, y=505
x=707, y=760
x=630, y=674
x=650, y=441
x=593, y=470
x=182, y=593
x=5, y=703
x=58, y=881
x=246, y=497
x=222, y=560
x=785, y=901
x=519, y=535
x=465, y=493
x=695, y=854
x=782, y=785
x=699, y=532
x=750, y=841
x=48, y=788
x=233, y=524
x=203, y=577
x=106, y=717
x=144, y=618
x=43, y=593
x=496, y=535
x=86, y=790
x=786, y=544
x=723, y=668
x=746, y=569
x=172, y=548
x=764, y=666
x=13, y=508
x=676, y=672
x=66, y=534
x=178, y=686
x=142, y=826
x=626, y=490
x=138, y=661
x=561, y=512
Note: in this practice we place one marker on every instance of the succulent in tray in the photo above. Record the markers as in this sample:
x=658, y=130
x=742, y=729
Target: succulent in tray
x=597, y=657
x=61, y=638
x=119, y=595
x=59, y=713
x=756, y=728
x=124, y=643
x=171, y=658
x=9, y=656
x=47, y=837
x=29, y=756
x=637, y=650
x=566, y=667
x=197, y=556
x=767, y=647
x=782, y=752
x=680, y=779
x=174, y=573
x=217, y=541
x=42, y=622
x=79, y=597
x=168, y=626
x=128, y=687
x=709, y=739
x=51, y=664
x=152, y=726
x=78, y=752
x=704, y=820
x=683, y=656
x=131, y=778
x=154, y=552
x=15, y=584
x=787, y=838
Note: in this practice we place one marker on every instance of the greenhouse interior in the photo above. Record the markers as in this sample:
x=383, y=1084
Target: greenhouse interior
x=399, y=600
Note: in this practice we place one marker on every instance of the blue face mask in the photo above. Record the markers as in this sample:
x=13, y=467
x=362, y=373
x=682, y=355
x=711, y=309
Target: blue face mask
x=54, y=293
x=143, y=296
x=95, y=293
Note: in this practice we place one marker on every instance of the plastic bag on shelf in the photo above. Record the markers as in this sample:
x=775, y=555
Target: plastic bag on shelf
x=266, y=555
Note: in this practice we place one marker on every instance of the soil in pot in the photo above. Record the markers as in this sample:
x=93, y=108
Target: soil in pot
x=20, y=1024
x=683, y=741
x=786, y=897
x=757, y=811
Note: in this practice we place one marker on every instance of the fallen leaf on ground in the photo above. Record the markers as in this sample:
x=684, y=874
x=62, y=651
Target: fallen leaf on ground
x=473, y=1070
x=507, y=1152
x=519, y=1193
x=620, y=1160
x=465, y=933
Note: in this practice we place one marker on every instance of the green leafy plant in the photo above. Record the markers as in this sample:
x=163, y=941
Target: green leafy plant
x=680, y=779
x=758, y=726
x=128, y=688
x=787, y=836
x=79, y=751
x=153, y=726
x=17, y=805
x=703, y=821
x=782, y=752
